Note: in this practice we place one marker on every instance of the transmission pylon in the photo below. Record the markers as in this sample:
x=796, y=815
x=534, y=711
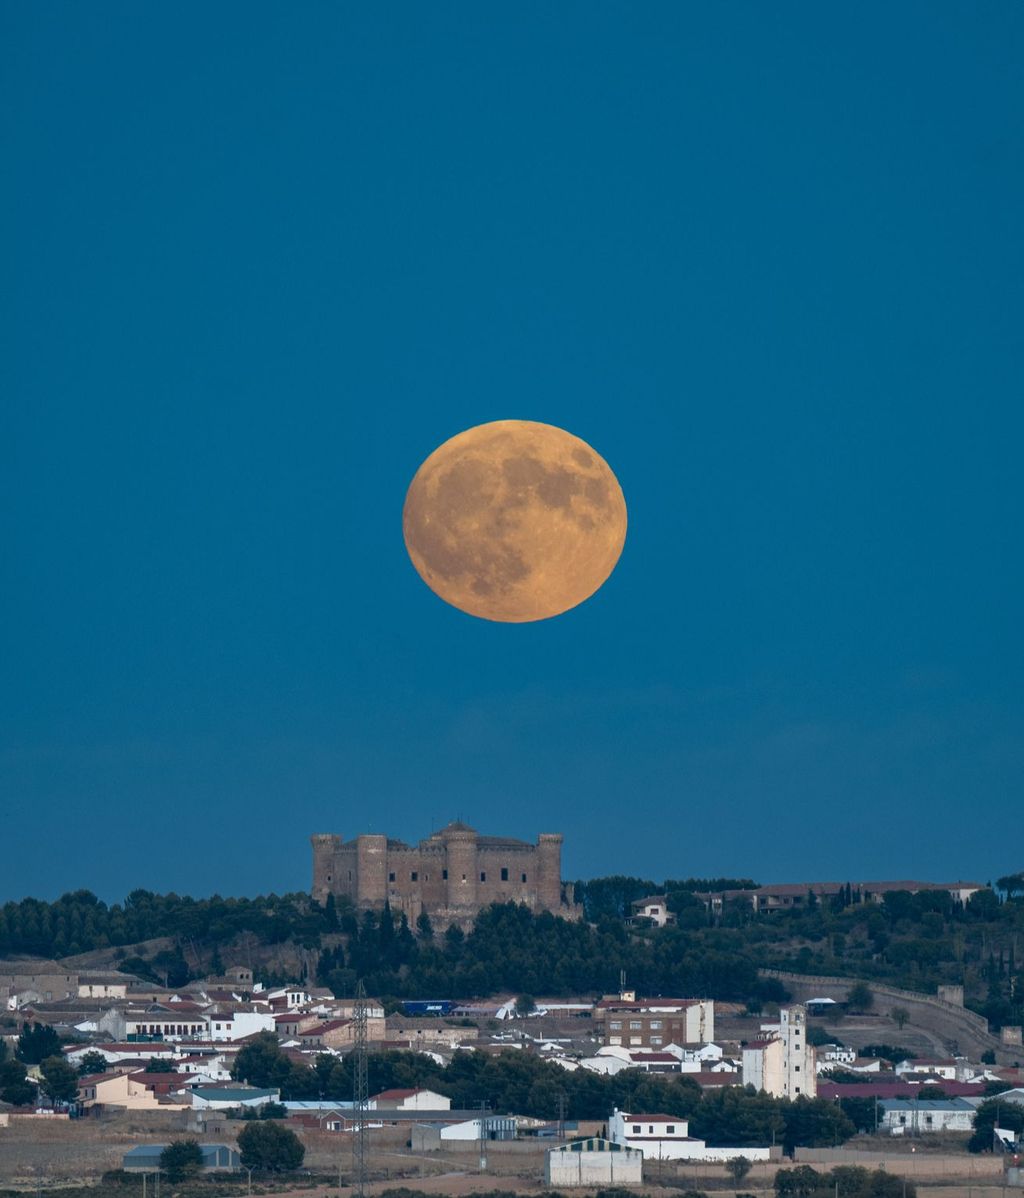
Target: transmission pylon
x=360, y=1094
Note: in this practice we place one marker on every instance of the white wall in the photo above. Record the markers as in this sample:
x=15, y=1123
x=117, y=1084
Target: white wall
x=593, y=1168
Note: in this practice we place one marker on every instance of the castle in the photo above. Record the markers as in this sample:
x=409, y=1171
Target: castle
x=451, y=875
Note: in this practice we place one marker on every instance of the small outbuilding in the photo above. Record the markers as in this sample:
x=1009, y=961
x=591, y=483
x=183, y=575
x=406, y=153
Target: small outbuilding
x=217, y=1158
x=593, y=1162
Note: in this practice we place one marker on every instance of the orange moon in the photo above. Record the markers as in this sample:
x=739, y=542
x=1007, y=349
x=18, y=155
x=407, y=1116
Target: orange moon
x=514, y=521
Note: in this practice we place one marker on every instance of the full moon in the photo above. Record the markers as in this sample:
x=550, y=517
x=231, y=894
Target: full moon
x=514, y=521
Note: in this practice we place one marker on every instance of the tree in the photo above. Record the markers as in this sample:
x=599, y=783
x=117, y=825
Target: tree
x=738, y=1167
x=899, y=1016
x=182, y=1160
x=859, y=997
x=525, y=1005
x=36, y=1043
x=268, y=1145
x=157, y=1065
x=262, y=1063
x=60, y=1080
x=991, y=1114
x=216, y=966
x=1012, y=884
x=92, y=1062
x=14, y=1087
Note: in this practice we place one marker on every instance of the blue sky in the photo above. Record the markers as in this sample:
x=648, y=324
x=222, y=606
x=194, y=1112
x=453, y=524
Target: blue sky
x=261, y=259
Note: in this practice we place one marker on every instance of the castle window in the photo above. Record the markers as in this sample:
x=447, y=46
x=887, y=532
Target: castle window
x=483, y=877
x=391, y=877
x=504, y=875
x=328, y=877
x=414, y=876
x=444, y=875
x=524, y=877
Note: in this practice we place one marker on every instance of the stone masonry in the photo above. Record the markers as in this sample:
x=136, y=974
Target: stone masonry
x=451, y=875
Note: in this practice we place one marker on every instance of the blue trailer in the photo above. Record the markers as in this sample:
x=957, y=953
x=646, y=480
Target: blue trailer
x=428, y=1006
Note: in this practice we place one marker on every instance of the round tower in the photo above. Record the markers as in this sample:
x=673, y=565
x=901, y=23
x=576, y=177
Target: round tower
x=371, y=870
x=460, y=842
x=324, y=847
x=549, y=871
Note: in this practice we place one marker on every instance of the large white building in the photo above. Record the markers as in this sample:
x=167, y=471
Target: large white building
x=667, y=1137
x=782, y=1063
x=593, y=1162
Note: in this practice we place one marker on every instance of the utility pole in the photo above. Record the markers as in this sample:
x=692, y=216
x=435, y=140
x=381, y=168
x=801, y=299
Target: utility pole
x=360, y=1093
x=561, y=1114
x=483, y=1137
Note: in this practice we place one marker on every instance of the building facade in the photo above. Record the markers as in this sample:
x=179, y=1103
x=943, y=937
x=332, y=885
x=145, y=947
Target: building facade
x=783, y=1064
x=654, y=1023
x=451, y=875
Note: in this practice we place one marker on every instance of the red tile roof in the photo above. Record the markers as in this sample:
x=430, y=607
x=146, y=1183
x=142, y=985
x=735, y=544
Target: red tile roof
x=834, y=1090
x=332, y=1025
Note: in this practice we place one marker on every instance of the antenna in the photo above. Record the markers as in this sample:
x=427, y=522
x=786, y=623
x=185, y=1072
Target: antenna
x=359, y=1093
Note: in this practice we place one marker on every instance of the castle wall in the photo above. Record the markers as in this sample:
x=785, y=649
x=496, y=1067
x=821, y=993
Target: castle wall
x=451, y=876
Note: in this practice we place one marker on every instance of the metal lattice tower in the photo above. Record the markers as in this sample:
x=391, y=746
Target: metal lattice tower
x=360, y=1094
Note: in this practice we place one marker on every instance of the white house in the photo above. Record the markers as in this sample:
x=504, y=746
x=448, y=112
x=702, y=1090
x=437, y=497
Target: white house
x=835, y=1054
x=919, y=1115
x=593, y=1162
x=235, y=1025
x=666, y=1137
x=653, y=910
x=154, y=1022
x=410, y=1100
x=950, y=1069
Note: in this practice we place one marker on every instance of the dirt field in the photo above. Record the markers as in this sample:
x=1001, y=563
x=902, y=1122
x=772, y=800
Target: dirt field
x=40, y=1155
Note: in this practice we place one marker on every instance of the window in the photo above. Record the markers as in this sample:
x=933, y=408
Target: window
x=614, y=1039
x=797, y=1089
x=636, y=1129
x=798, y=1068
x=504, y=874
x=444, y=875
x=483, y=876
x=655, y=1025
x=670, y=1130
x=616, y=1025
x=391, y=877
x=650, y=1130
x=655, y=1039
x=328, y=877
x=636, y=1039
x=635, y=1025
x=524, y=877
x=414, y=876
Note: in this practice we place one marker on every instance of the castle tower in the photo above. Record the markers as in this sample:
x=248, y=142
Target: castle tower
x=324, y=848
x=371, y=870
x=549, y=871
x=460, y=842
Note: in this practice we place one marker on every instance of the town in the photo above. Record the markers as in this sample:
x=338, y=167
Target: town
x=238, y=1072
